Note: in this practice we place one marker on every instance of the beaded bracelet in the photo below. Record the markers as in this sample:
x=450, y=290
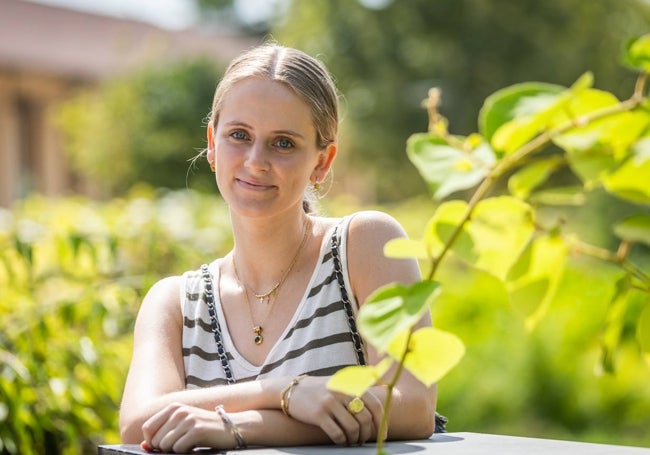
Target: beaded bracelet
x=241, y=444
x=285, y=395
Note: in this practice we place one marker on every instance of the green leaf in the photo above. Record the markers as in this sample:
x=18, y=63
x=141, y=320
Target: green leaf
x=502, y=106
x=393, y=309
x=611, y=335
x=522, y=183
x=442, y=225
x=583, y=103
x=431, y=354
x=643, y=332
x=635, y=228
x=514, y=134
x=596, y=150
x=630, y=181
x=500, y=229
x=533, y=115
x=355, y=380
x=637, y=53
x=570, y=195
x=533, y=280
x=445, y=168
x=526, y=298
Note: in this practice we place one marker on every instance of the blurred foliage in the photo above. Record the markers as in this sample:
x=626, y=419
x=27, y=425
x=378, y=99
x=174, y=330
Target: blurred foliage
x=385, y=59
x=504, y=247
x=72, y=273
x=145, y=126
x=142, y=128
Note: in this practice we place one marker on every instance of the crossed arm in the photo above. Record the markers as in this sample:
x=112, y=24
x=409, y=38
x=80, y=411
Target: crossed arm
x=158, y=411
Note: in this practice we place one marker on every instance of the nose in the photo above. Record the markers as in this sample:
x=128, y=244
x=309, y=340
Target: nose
x=256, y=157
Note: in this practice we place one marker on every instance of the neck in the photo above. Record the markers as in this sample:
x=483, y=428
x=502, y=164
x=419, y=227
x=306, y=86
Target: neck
x=266, y=250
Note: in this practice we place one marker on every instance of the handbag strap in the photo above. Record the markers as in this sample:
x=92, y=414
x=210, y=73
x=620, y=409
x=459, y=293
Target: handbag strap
x=338, y=271
x=216, y=329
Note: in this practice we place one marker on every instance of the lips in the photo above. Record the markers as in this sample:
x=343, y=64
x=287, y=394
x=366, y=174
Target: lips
x=254, y=185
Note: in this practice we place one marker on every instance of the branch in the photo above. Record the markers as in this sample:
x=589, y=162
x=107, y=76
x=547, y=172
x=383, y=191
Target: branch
x=534, y=145
x=614, y=258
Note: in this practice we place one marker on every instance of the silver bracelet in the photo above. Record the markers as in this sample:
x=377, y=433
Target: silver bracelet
x=241, y=444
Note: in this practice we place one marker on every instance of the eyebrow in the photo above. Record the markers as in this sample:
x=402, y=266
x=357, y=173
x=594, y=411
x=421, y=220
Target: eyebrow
x=282, y=132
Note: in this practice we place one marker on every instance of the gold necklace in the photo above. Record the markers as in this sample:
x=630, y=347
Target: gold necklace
x=257, y=329
x=266, y=297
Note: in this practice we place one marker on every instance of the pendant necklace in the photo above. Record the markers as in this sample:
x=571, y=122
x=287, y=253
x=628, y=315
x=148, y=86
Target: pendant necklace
x=257, y=329
x=269, y=296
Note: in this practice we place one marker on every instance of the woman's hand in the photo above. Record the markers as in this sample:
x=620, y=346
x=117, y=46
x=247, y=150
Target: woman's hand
x=311, y=402
x=180, y=428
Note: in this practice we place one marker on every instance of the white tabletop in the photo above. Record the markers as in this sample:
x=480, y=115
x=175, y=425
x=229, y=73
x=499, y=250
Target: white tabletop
x=438, y=444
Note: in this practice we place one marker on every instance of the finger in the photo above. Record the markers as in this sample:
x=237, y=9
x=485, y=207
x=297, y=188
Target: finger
x=334, y=431
x=156, y=421
x=349, y=423
x=147, y=448
x=365, y=419
x=366, y=426
x=376, y=409
x=172, y=428
x=169, y=437
x=152, y=426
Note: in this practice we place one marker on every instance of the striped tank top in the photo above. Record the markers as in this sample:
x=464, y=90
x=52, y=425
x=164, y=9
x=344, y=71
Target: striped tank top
x=317, y=341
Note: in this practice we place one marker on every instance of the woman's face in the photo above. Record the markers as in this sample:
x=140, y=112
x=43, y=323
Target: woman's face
x=264, y=148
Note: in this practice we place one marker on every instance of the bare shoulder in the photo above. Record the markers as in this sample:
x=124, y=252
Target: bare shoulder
x=372, y=226
x=165, y=290
x=162, y=301
x=369, y=232
x=167, y=284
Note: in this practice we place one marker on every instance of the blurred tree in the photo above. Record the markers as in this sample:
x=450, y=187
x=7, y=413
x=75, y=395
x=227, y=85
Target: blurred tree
x=252, y=17
x=387, y=54
x=142, y=128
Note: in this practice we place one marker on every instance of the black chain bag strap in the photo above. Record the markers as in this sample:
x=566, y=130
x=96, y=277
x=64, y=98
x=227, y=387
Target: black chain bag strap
x=356, y=338
x=216, y=329
x=440, y=421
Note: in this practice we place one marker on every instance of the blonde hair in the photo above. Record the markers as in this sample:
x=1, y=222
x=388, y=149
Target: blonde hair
x=305, y=75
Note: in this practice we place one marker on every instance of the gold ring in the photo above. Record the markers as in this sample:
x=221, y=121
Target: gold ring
x=356, y=405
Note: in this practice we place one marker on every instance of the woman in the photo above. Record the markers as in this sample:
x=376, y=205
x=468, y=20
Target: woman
x=256, y=335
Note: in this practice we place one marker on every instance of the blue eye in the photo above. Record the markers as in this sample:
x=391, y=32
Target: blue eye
x=284, y=143
x=238, y=134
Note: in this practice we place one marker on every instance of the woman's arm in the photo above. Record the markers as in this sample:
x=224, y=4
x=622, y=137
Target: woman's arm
x=155, y=396
x=413, y=406
x=156, y=407
x=156, y=377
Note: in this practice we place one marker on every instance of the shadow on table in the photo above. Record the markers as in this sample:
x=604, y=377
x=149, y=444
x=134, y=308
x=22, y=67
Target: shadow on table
x=392, y=447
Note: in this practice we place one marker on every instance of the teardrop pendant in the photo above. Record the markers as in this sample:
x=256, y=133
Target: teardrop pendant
x=257, y=330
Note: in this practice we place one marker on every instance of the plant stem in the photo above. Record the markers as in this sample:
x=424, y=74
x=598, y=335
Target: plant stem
x=383, y=427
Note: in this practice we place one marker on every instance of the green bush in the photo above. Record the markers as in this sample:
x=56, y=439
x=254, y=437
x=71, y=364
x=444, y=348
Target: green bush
x=72, y=273
x=142, y=127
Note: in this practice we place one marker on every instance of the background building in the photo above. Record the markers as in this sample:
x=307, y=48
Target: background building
x=46, y=54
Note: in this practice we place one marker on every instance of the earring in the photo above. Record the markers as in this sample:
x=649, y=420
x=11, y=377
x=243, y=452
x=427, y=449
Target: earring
x=316, y=185
x=212, y=167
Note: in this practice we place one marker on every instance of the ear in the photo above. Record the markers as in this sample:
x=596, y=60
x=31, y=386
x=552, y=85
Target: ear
x=325, y=160
x=210, y=152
